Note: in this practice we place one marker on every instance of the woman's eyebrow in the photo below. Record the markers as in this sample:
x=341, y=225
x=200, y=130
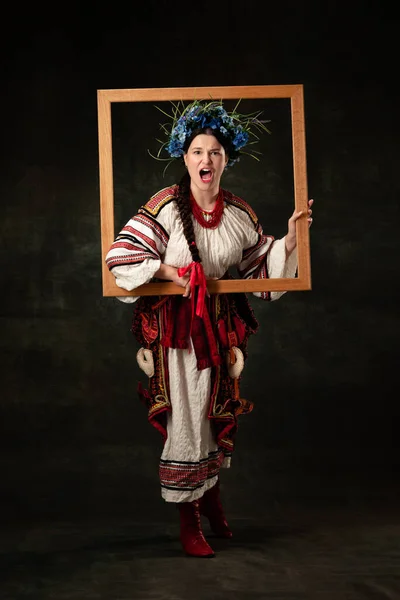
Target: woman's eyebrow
x=200, y=148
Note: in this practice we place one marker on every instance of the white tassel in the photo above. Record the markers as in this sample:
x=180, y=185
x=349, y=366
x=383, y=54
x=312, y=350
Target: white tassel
x=145, y=361
x=235, y=369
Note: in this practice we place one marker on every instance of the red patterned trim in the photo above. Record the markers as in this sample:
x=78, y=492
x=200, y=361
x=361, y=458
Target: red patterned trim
x=225, y=402
x=127, y=246
x=156, y=397
x=160, y=199
x=132, y=259
x=138, y=245
x=154, y=226
x=188, y=476
x=137, y=234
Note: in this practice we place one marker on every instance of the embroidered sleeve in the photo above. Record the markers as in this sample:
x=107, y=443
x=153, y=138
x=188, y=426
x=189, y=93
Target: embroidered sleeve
x=263, y=256
x=254, y=263
x=137, y=252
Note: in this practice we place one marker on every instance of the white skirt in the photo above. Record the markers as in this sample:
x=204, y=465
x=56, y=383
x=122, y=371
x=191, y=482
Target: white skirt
x=191, y=459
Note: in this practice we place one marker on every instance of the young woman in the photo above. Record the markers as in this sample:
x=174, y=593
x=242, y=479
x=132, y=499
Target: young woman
x=194, y=345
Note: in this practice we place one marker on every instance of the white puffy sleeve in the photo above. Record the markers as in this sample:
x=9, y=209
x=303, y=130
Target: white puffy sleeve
x=136, y=254
x=264, y=257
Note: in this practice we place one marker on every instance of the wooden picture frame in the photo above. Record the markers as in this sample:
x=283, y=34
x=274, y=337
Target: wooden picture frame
x=295, y=92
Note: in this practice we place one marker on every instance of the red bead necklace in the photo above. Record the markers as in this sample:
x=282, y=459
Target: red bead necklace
x=208, y=218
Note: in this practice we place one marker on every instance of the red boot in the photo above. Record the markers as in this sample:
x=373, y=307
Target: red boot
x=192, y=538
x=211, y=507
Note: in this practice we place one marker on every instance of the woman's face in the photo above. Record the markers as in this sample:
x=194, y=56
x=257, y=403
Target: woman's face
x=205, y=160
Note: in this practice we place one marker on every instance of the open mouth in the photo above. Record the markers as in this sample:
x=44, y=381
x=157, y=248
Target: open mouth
x=205, y=175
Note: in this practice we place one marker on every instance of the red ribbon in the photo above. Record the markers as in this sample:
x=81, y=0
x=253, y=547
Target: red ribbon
x=197, y=280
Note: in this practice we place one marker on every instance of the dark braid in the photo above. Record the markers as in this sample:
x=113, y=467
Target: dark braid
x=185, y=213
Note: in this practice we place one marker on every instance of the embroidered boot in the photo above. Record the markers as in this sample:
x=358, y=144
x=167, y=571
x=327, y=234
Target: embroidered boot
x=192, y=538
x=211, y=507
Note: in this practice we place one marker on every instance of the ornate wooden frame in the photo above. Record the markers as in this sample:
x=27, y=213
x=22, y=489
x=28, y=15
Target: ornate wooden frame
x=294, y=92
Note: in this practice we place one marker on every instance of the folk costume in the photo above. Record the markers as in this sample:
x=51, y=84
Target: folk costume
x=191, y=398
x=193, y=350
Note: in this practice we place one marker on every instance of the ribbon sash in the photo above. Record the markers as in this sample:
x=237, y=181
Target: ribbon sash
x=197, y=281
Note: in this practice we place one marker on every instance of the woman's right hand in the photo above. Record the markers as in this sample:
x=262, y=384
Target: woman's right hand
x=170, y=273
x=187, y=286
x=183, y=282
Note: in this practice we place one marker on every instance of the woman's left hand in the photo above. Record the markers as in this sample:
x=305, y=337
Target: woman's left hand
x=291, y=234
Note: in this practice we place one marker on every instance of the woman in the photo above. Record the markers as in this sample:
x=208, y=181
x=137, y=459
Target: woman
x=194, y=345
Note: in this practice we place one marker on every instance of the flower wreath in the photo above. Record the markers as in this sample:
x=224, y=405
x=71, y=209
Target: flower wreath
x=237, y=130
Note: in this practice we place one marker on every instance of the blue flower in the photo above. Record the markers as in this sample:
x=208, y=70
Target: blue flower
x=241, y=138
x=215, y=123
x=174, y=148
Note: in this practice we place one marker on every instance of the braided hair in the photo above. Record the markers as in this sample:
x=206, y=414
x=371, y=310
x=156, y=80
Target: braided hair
x=185, y=213
x=183, y=196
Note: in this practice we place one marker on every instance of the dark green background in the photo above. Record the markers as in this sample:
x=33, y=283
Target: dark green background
x=323, y=369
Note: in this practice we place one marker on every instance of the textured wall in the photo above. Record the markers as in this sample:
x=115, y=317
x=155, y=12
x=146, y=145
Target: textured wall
x=323, y=368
